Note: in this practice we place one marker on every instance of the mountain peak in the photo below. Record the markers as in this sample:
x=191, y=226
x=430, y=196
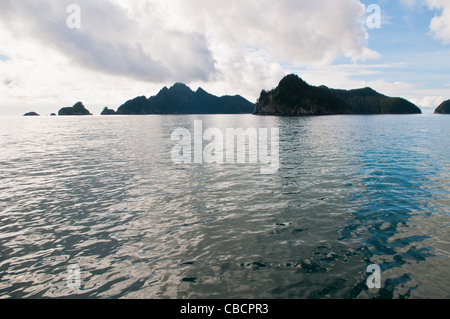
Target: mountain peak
x=367, y=91
x=293, y=80
x=181, y=87
x=200, y=90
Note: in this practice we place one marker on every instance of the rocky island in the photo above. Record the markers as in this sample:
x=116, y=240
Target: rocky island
x=77, y=109
x=444, y=108
x=295, y=97
x=108, y=111
x=180, y=99
x=31, y=114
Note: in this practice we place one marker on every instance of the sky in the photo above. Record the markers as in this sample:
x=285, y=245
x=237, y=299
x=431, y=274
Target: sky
x=110, y=51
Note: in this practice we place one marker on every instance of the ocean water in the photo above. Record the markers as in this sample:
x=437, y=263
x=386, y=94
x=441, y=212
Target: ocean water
x=103, y=193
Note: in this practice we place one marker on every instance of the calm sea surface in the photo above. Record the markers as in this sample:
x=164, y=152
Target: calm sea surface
x=103, y=193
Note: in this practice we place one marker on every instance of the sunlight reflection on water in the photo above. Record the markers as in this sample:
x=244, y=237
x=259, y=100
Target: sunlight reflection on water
x=103, y=193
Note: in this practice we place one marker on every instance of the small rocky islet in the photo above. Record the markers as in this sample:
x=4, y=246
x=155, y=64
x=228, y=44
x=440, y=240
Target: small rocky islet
x=31, y=114
x=108, y=111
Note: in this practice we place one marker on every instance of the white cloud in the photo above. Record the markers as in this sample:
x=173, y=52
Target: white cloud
x=226, y=46
x=428, y=103
x=440, y=25
x=298, y=32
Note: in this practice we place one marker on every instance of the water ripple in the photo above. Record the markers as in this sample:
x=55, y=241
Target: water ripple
x=103, y=194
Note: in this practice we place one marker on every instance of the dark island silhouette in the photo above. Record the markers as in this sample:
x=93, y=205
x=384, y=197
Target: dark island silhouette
x=444, y=108
x=295, y=97
x=31, y=114
x=108, y=111
x=292, y=97
x=180, y=99
x=76, y=110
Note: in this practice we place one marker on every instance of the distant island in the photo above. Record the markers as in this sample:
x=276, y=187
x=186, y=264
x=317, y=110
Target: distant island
x=292, y=97
x=180, y=99
x=444, y=108
x=107, y=111
x=77, y=109
x=31, y=114
x=295, y=97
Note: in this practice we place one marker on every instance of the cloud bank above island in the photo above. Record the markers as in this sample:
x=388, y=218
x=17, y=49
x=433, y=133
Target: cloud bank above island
x=129, y=48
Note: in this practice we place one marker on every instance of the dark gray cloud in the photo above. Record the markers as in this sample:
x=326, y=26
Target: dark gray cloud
x=111, y=41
